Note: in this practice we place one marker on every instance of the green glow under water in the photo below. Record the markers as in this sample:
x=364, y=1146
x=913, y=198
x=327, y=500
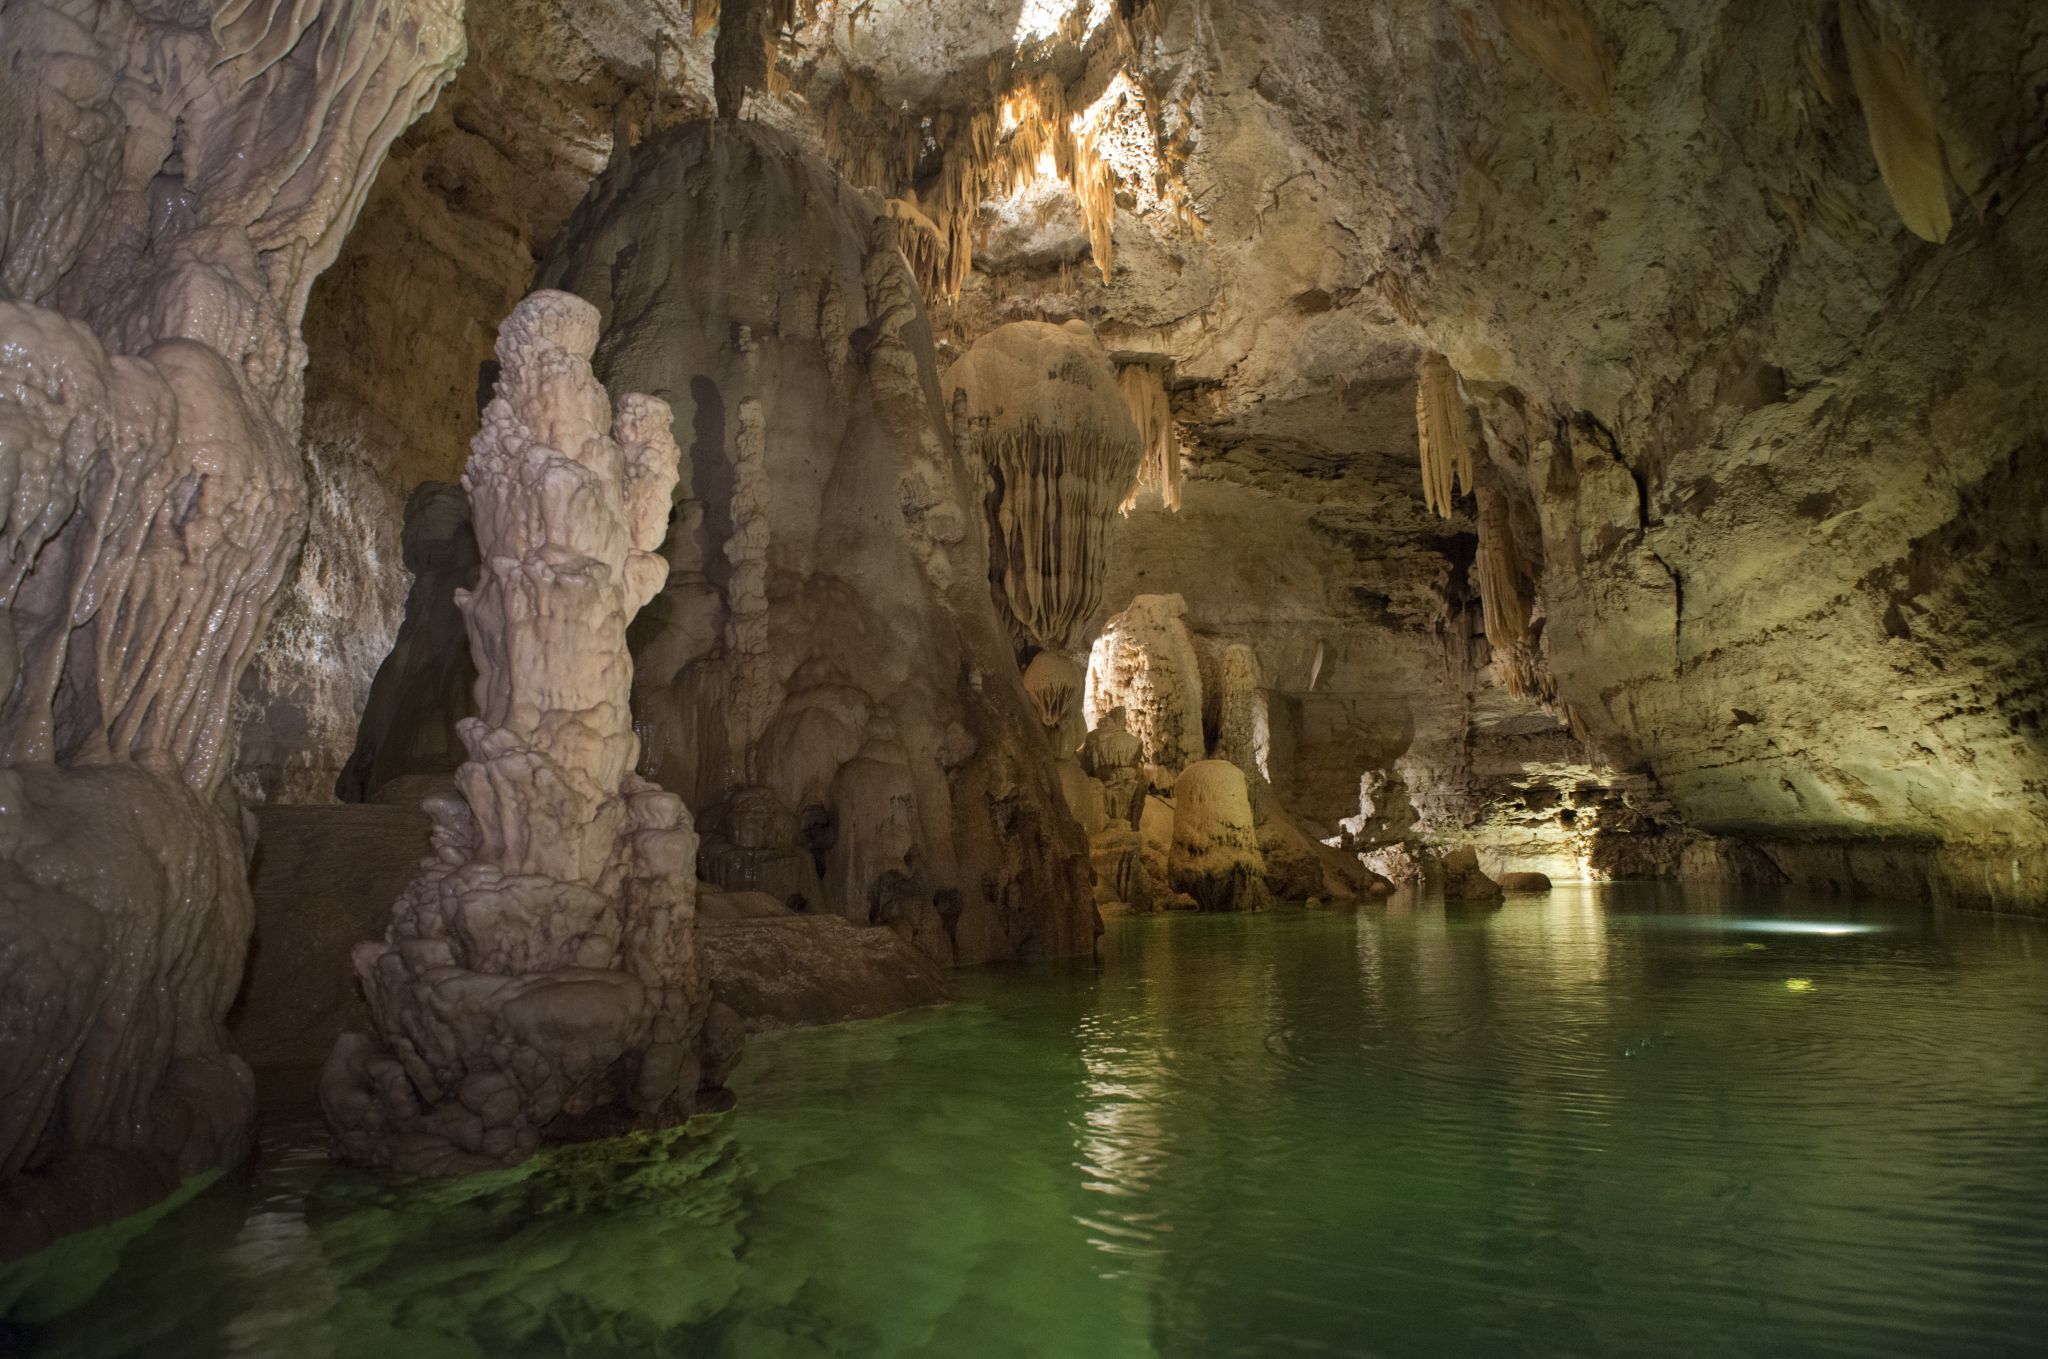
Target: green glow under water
x=1584, y=1125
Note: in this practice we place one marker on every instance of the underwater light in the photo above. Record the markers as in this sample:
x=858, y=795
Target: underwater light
x=1798, y=983
x=1801, y=927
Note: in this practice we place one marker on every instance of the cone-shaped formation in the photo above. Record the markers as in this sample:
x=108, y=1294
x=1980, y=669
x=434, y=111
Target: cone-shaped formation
x=1900, y=115
x=1215, y=856
x=826, y=633
x=539, y=979
x=1441, y=433
x=1144, y=389
x=1062, y=453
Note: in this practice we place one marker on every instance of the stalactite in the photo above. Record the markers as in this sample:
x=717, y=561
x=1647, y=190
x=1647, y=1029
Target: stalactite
x=539, y=978
x=1098, y=135
x=1062, y=453
x=1899, y=112
x=1442, y=434
x=1144, y=392
x=1557, y=36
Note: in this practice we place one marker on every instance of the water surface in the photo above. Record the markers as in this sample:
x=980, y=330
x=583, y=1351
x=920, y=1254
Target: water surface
x=1610, y=1122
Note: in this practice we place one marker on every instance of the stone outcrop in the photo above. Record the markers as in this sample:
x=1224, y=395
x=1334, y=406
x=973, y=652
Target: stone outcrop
x=172, y=181
x=1464, y=881
x=826, y=630
x=1144, y=662
x=539, y=979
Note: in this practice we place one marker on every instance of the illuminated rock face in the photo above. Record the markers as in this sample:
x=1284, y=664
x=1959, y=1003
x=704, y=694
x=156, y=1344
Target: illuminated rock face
x=539, y=980
x=169, y=188
x=826, y=629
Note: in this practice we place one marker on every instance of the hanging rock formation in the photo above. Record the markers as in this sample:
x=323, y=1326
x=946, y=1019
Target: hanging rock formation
x=539, y=980
x=826, y=630
x=1062, y=453
x=171, y=182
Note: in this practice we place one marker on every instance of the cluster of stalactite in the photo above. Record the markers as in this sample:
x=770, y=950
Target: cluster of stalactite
x=1442, y=434
x=1501, y=573
x=1144, y=391
x=1030, y=121
x=1056, y=490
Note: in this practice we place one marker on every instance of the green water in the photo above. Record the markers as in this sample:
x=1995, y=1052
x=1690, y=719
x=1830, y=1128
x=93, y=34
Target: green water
x=1611, y=1122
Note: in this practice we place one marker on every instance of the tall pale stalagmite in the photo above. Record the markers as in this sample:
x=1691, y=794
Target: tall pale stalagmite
x=539, y=979
x=1145, y=663
x=172, y=179
x=1062, y=454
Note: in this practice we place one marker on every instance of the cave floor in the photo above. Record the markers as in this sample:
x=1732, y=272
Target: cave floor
x=1614, y=1120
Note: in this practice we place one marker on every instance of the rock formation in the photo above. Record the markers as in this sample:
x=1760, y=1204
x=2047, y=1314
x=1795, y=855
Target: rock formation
x=1721, y=297
x=826, y=630
x=1215, y=856
x=1048, y=420
x=1465, y=881
x=172, y=180
x=1145, y=663
x=539, y=979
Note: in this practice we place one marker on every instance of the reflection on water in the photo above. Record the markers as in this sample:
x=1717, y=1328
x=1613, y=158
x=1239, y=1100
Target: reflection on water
x=1598, y=1123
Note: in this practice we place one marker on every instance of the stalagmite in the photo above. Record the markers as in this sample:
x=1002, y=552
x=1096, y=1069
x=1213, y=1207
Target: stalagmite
x=539, y=979
x=1062, y=453
x=1144, y=662
x=1904, y=131
x=1243, y=734
x=1215, y=856
x=1144, y=391
x=1442, y=434
x=1113, y=756
x=173, y=179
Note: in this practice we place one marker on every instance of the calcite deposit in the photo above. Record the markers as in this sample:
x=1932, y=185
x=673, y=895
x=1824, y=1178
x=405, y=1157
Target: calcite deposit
x=173, y=179
x=539, y=979
x=826, y=630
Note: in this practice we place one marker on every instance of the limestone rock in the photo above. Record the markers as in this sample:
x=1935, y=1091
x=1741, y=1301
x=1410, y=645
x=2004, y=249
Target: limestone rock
x=1046, y=417
x=826, y=629
x=539, y=978
x=1523, y=882
x=170, y=185
x=1215, y=856
x=1463, y=879
x=1145, y=663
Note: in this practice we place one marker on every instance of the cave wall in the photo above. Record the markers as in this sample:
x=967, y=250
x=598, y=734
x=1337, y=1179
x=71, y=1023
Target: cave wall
x=174, y=179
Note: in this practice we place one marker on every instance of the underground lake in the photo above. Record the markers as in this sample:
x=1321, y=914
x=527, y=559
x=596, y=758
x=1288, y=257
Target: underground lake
x=1616, y=1120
